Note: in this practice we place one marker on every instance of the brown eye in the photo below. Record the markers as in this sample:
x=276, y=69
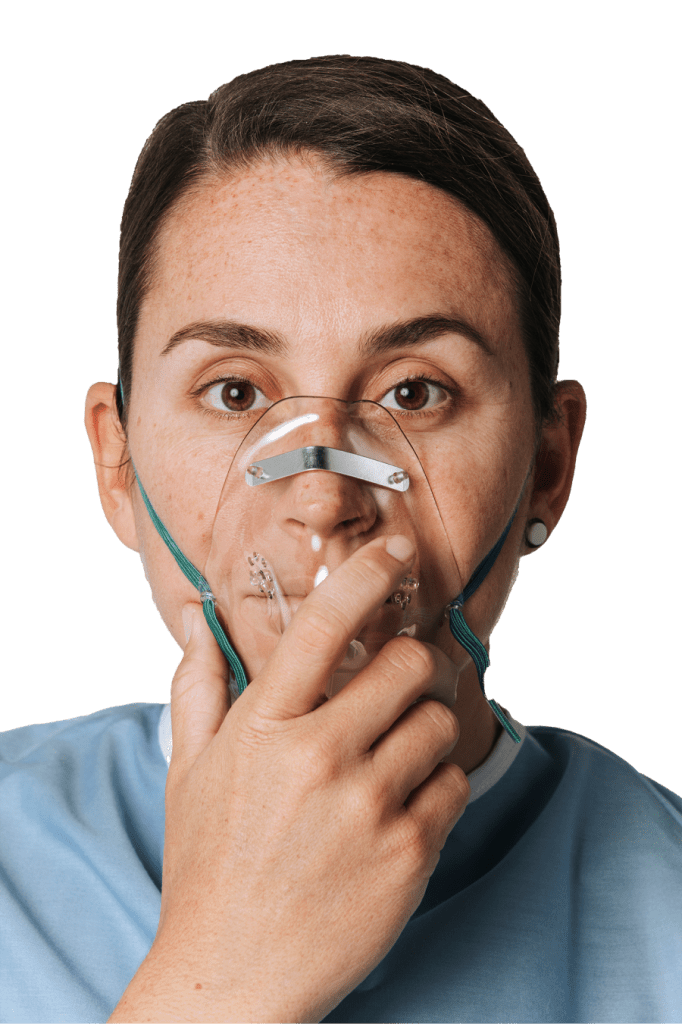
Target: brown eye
x=236, y=396
x=414, y=395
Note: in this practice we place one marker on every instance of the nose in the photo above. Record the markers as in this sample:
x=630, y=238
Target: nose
x=326, y=504
x=320, y=502
x=330, y=505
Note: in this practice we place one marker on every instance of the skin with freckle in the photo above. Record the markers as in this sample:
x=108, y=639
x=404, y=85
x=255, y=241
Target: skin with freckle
x=321, y=262
x=232, y=252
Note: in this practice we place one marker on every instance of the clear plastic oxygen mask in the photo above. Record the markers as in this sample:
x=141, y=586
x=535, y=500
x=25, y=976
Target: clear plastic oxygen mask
x=288, y=501
x=313, y=481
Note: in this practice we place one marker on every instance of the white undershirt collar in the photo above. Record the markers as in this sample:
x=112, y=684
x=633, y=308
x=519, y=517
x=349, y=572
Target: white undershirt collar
x=483, y=778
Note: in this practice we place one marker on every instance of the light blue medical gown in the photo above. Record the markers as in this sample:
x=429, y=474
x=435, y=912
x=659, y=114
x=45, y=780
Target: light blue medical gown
x=558, y=895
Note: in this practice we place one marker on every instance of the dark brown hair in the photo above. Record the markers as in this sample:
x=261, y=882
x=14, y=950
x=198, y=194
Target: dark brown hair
x=362, y=114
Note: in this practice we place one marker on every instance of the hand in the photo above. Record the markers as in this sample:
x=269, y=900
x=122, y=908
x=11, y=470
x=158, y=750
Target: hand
x=300, y=833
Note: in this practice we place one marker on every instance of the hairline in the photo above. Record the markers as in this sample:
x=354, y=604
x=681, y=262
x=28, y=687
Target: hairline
x=216, y=172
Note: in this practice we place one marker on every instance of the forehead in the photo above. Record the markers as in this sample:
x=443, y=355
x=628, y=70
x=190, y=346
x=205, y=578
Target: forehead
x=285, y=238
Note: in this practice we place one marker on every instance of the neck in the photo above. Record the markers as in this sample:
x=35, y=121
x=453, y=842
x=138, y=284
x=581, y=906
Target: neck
x=479, y=728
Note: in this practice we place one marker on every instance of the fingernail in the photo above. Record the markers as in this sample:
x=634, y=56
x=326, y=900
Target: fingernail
x=187, y=620
x=401, y=548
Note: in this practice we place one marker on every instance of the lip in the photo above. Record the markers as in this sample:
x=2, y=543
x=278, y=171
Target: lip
x=266, y=607
x=291, y=603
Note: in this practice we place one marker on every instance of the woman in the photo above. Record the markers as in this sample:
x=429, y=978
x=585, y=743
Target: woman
x=366, y=235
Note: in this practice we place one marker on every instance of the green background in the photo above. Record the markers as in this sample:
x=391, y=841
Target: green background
x=588, y=641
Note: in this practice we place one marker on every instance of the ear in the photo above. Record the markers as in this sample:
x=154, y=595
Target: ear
x=555, y=460
x=110, y=451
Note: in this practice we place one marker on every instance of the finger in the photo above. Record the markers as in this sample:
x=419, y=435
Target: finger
x=316, y=641
x=438, y=803
x=199, y=693
x=404, y=671
x=408, y=753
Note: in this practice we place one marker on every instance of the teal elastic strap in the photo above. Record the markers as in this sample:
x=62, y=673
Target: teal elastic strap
x=198, y=581
x=504, y=721
x=473, y=646
x=464, y=635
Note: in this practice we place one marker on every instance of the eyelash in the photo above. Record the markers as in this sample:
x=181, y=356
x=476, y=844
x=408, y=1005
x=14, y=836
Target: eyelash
x=448, y=388
x=232, y=379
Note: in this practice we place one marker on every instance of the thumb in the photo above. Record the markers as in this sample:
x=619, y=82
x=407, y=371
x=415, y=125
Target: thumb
x=199, y=693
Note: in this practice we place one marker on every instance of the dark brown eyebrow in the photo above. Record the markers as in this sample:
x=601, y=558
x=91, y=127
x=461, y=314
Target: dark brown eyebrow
x=229, y=334
x=232, y=334
x=422, y=328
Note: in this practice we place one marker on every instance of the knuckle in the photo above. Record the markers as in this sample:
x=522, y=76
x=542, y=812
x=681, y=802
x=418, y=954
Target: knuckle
x=315, y=760
x=406, y=654
x=372, y=572
x=361, y=805
x=312, y=773
x=322, y=628
x=415, y=842
x=442, y=717
x=188, y=685
x=458, y=783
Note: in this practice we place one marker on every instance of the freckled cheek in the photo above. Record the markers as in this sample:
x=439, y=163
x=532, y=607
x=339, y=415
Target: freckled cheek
x=477, y=493
x=184, y=491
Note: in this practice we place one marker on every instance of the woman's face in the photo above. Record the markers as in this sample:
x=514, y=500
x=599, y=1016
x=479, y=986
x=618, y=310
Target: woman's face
x=346, y=288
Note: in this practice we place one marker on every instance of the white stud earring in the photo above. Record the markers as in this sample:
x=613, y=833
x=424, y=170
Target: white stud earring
x=536, y=533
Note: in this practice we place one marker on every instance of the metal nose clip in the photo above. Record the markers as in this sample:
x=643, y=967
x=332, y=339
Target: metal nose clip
x=333, y=460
